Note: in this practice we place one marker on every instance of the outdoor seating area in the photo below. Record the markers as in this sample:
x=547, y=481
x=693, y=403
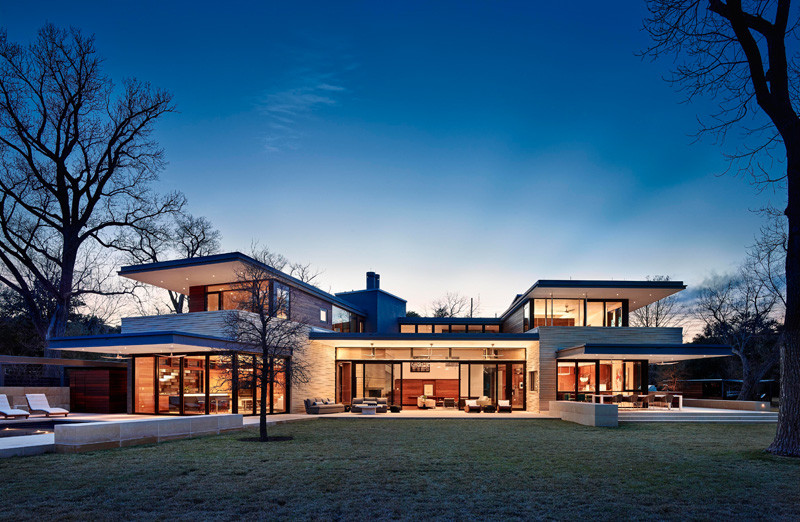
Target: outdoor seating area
x=658, y=399
x=37, y=403
x=319, y=406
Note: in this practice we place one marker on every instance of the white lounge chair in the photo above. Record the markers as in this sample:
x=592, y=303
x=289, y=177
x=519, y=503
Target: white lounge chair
x=37, y=403
x=8, y=411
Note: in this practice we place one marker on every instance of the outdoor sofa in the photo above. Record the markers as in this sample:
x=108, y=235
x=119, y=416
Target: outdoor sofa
x=37, y=403
x=318, y=406
x=382, y=404
x=7, y=411
x=471, y=405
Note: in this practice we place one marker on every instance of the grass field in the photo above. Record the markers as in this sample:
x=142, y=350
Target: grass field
x=449, y=469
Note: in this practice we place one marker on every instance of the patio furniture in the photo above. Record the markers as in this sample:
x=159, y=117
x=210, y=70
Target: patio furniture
x=641, y=401
x=503, y=405
x=368, y=409
x=660, y=400
x=37, y=403
x=668, y=399
x=472, y=406
x=424, y=403
x=449, y=402
x=8, y=411
x=483, y=400
x=319, y=406
x=381, y=404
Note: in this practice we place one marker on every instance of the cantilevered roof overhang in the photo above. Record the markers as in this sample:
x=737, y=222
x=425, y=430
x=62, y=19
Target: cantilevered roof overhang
x=406, y=340
x=638, y=293
x=655, y=353
x=179, y=275
x=146, y=343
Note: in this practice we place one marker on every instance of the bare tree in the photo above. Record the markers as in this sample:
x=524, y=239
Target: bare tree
x=664, y=312
x=453, y=304
x=743, y=55
x=304, y=272
x=265, y=327
x=186, y=237
x=740, y=311
x=78, y=162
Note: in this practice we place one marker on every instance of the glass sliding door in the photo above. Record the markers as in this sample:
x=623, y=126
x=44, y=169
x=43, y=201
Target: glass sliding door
x=279, y=396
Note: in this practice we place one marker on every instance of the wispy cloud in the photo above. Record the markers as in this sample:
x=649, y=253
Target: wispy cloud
x=305, y=91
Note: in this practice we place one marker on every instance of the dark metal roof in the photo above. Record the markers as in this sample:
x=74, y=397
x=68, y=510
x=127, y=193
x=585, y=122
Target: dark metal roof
x=589, y=283
x=238, y=256
x=378, y=290
x=320, y=335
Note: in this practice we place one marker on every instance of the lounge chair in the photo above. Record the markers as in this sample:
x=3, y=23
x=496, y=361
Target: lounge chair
x=471, y=405
x=8, y=411
x=503, y=405
x=37, y=403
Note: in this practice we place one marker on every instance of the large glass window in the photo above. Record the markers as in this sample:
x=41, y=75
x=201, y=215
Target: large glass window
x=408, y=328
x=220, y=383
x=539, y=312
x=279, y=386
x=169, y=385
x=567, y=312
x=566, y=381
x=586, y=377
x=194, y=384
x=633, y=375
x=247, y=383
x=526, y=316
x=344, y=321
x=281, y=299
x=595, y=313
x=613, y=313
x=611, y=374
x=144, y=391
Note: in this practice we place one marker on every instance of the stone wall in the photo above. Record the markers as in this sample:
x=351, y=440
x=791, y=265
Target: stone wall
x=586, y=413
x=320, y=361
x=57, y=397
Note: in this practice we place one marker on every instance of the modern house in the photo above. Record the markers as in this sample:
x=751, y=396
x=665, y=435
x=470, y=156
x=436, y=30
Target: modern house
x=559, y=340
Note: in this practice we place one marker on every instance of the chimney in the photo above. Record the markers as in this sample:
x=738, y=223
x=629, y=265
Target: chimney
x=373, y=281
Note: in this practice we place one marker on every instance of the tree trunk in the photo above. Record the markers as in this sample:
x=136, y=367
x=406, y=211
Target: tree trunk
x=787, y=436
x=749, y=381
x=265, y=379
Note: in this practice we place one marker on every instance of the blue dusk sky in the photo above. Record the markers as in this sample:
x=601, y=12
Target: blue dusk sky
x=449, y=146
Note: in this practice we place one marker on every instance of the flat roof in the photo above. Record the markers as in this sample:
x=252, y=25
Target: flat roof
x=638, y=293
x=406, y=340
x=657, y=353
x=179, y=275
x=144, y=343
x=449, y=320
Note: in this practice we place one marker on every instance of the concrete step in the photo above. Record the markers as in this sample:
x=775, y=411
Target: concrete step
x=696, y=417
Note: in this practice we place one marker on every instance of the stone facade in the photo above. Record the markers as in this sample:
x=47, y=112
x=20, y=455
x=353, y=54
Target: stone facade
x=320, y=363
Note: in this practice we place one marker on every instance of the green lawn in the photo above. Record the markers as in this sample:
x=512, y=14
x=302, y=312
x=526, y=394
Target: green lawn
x=451, y=469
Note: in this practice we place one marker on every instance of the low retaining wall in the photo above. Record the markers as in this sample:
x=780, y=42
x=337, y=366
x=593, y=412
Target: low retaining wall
x=586, y=413
x=57, y=397
x=727, y=405
x=90, y=436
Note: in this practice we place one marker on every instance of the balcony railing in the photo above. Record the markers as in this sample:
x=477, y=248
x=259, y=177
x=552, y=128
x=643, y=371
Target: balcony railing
x=213, y=324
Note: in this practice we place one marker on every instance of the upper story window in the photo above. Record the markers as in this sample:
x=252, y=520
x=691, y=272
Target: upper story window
x=323, y=315
x=281, y=295
x=579, y=312
x=526, y=316
x=224, y=297
x=344, y=321
x=457, y=328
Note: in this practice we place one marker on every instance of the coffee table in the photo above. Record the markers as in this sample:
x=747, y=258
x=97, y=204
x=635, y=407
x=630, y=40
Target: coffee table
x=368, y=410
